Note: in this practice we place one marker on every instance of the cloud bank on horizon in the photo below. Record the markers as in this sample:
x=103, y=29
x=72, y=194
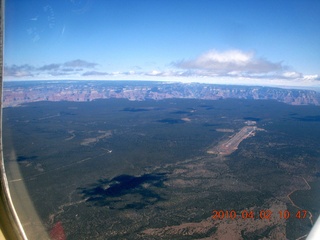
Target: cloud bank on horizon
x=234, y=66
x=252, y=42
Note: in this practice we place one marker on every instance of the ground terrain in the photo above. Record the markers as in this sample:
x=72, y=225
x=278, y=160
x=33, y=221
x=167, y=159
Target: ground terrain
x=119, y=169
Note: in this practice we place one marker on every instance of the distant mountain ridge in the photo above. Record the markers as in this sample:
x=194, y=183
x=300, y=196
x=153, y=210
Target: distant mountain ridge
x=16, y=93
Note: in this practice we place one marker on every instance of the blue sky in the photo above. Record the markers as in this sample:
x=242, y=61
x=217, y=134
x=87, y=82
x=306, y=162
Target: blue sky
x=274, y=42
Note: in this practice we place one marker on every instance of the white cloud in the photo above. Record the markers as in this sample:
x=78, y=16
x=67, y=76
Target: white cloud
x=18, y=70
x=52, y=66
x=232, y=56
x=228, y=67
x=292, y=75
x=154, y=73
x=314, y=77
x=80, y=63
x=95, y=73
x=229, y=61
x=53, y=69
x=129, y=73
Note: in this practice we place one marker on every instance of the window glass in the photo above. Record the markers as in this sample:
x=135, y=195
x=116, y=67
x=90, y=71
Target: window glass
x=162, y=119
